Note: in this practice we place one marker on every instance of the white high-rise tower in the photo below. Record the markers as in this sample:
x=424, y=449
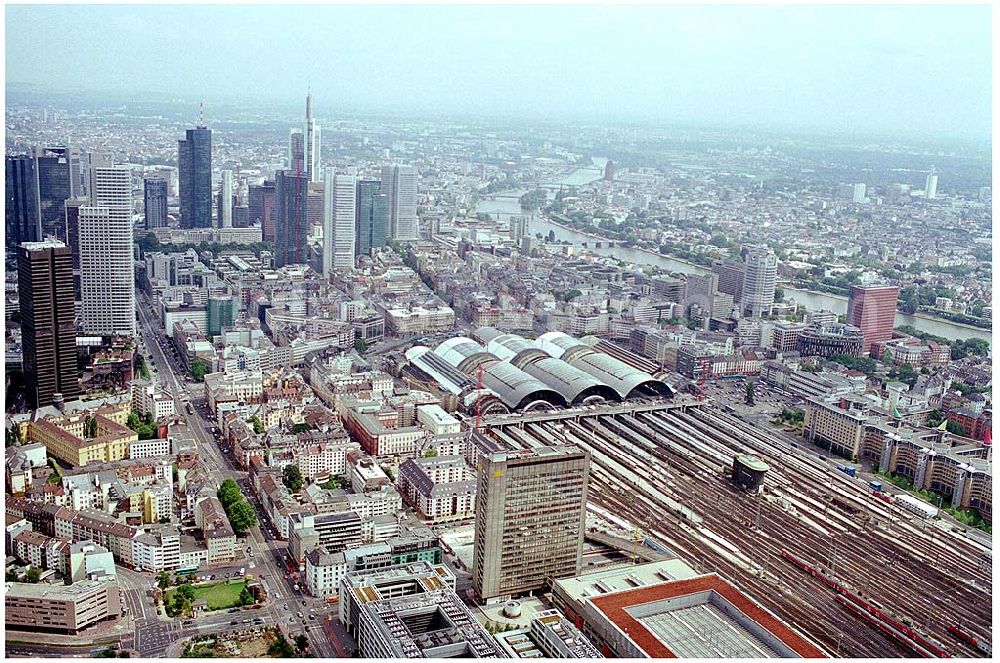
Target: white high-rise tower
x=339, y=234
x=311, y=138
x=930, y=189
x=759, y=281
x=107, y=271
x=399, y=183
x=226, y=193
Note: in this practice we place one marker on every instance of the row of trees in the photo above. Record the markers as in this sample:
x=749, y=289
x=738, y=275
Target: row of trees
x=149, y=244
x=241, y=515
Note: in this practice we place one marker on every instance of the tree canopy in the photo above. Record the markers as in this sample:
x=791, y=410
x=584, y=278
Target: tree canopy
x=291, y=476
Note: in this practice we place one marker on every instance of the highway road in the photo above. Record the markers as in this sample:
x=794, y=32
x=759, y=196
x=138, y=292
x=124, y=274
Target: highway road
x=265, y=554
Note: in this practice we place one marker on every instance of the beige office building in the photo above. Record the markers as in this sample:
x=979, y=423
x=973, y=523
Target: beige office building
x=60, y=608
x=530, y=519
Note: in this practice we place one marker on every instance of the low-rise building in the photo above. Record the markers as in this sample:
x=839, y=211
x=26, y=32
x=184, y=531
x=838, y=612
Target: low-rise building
x=438, y=488
x=411, y=611
x=60, y=608
x=665, y=610
x=549, y=635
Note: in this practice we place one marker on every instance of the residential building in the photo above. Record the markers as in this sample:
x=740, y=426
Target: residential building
x=438, y=488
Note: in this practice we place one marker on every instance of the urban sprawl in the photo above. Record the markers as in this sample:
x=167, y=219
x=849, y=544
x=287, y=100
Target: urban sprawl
x=401, y=389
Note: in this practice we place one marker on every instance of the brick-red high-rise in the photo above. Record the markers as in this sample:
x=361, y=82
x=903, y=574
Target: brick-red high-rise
x=873, y=310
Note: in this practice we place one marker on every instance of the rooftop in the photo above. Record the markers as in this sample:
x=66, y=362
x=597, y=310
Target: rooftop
x=700, y=617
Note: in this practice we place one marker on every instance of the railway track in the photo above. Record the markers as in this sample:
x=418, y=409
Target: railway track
x=666, y=472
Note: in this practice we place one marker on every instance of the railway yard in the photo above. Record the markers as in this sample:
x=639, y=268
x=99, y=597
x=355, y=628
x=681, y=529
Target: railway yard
x=664, y=469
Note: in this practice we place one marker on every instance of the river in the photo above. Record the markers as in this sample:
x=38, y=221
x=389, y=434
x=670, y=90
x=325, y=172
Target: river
x=507, y=205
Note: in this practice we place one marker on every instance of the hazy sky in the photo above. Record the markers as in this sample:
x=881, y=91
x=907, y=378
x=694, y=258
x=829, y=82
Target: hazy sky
x=911, y=69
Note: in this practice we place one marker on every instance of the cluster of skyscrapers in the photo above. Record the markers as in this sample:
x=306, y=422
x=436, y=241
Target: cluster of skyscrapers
x=70, y=231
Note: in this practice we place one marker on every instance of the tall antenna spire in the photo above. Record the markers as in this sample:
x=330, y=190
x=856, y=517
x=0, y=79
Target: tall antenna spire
x=201, y=113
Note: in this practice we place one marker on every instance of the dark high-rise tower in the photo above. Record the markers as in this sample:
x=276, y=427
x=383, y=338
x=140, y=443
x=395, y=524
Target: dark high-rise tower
x=155, y=197
x=291, y=223
x=371, y=222
x=262, y=208
x=23, y=223
x=194, y=170
x=57, y=170
x=48, y=328
x=296, y=151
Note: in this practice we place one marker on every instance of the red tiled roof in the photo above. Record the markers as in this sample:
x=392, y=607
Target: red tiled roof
x=614, y=607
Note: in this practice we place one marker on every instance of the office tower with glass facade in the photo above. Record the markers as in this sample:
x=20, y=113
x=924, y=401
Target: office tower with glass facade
x=311, y=143
x=872, y=309
x=399, y=183
x=58, y=178
x=73, y=206
x=23, y=223
x=262, y=208
x=194, y=169
x=297, y=152
x=154, y=192
x=291, y=226
x=48, y=325
x=225, y=215
x=371, y=223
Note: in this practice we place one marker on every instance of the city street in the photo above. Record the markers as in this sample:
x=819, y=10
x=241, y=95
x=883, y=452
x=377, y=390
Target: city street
x=265, y=554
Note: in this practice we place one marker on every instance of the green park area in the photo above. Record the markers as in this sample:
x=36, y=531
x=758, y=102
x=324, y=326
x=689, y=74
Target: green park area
x=220, y=595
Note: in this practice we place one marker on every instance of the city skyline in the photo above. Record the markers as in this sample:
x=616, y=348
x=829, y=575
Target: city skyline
x=686, y=362
x=811, y=68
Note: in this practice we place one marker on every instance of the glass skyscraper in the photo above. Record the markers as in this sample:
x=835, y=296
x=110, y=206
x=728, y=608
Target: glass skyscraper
x=58, y=173
x=372, y=221
x=291, y=224
x=22, y=220
x=155, y=198
x=194, y=170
